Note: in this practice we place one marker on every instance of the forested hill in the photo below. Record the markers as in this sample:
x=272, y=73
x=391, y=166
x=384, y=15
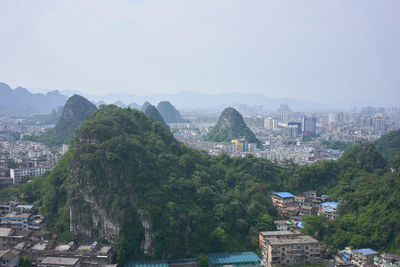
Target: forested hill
x=388, y=145
x=126, y=179
x=230, y=126
x=169, y=113
x=152, y=112
x=74, y=112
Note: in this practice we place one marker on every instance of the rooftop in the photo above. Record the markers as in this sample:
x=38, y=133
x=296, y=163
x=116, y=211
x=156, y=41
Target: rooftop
x=39, y=246
x=279, y=233
x=8, y=254
x=283, y=194
x=366, y=251
x=5, y=231
x=330, y=204
x=62, y=248
x=232, y=258
x=297, y=240
x=147, y=264
x=105, y=250
x=14, y=215
x=59, y=261
x=25, y=207
x=85, y=248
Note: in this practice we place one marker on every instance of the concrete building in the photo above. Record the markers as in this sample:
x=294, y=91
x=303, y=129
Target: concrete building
x=387, y=260
x=9, y=258
x=5, y=233
x=60, y=261
x=363, y=257
x=329, y=210
x=288, y=248
x=18, y=221
x=282, y=200
x=309, y=125
x=17, y=174
x=240, y=145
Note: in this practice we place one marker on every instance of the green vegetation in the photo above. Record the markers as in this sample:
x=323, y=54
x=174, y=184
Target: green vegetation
x=152, y=112
x=75, y=111
x=203, y=260
x=339, y=145
x=133, y=169
x=389, y=144
x=231, y=126
x=169, y=113
x=24, y=261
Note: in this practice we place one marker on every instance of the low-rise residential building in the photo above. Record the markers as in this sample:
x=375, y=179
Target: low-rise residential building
x=363, y=257
x=5, y=233
x=387, y=260
x=17, y=174
x=16, y=220
x=329, y=209
x=288, y=248
x=9, y=258
x=283, y=225
x=60, y=261
x=282, y=200
x=264, y=235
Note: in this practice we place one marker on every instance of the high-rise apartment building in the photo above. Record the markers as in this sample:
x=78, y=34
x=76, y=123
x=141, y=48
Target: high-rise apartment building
x=309, y=125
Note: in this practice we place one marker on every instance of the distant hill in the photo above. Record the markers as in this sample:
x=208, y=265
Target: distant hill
x=389, y=144
x=169, y=113
x=145, y=106
x=120, y=104
x=153, y=113
x=134, y=105
x=198, y=100
x=21, y=101
x=231, y=126
x=73, y=114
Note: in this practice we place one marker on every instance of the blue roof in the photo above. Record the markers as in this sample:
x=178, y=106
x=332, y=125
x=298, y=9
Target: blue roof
x=283, y=194
x=232, y=258
x=299, y=224
x=366, y=251
x=147, y=264
x=330, y=204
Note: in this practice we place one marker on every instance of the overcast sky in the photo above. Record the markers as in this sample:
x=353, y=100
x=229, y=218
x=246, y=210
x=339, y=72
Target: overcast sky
x=326, y=51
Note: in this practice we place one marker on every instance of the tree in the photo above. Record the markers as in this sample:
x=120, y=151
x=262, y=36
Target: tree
x=203, y=260
x=315, y=226
x=24, y=261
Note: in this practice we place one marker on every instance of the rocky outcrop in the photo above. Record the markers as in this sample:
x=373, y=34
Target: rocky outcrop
x=169, y=113
x=231, y=126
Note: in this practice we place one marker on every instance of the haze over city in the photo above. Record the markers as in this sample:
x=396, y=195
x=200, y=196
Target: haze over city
x=339, y=53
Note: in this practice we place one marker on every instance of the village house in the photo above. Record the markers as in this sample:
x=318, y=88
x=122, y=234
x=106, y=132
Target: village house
x=363, y=257
x=9, y=258
x=329, y=210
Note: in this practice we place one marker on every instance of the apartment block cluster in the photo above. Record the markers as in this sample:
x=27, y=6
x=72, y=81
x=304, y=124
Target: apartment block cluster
x=286, y=248
x=25, y=159
x=309, y=203
x=365, y=257
x=22, y=233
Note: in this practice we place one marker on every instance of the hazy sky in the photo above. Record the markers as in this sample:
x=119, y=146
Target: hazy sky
x=327, y=51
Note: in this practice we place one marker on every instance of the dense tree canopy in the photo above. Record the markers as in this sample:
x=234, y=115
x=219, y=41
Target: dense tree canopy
x=200, y=204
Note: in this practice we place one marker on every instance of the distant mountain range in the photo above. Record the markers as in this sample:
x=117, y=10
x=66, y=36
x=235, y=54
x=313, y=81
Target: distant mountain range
x=21, y=101
x=197, y=100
